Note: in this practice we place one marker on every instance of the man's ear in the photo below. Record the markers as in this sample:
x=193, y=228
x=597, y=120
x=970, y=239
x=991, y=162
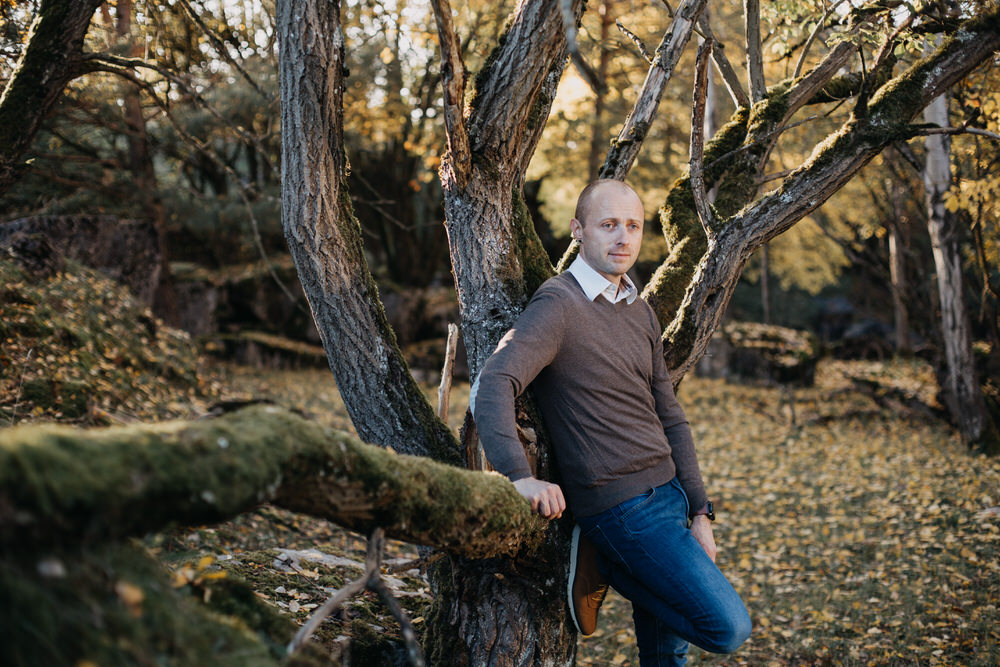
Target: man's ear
x=575, y=228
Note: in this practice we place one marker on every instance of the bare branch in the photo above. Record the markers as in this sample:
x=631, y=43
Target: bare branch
x=453, y=85
x=222, y=50
x=696, y=169
x=444, y=389
x=927, y=131
x=813, y=35
x=634, y=38
x=722, y=64
x=755, y=56
x=626, y=147
x=587, y=72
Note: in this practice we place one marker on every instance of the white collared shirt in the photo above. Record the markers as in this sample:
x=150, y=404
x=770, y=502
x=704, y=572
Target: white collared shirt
x=594, y=284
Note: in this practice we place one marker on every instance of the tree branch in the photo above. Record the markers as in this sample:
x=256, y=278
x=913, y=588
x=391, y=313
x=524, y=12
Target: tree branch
x=50, y=60
x=722, y=64
x=698, y=138
x=826, y=171
x=587, y=72
x=755, y=56
x=634, y=38
x=626, y=146
x=60, y=484
x=453, y=85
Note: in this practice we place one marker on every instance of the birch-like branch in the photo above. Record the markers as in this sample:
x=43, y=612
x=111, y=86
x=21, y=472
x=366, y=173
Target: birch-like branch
x=444, y=388
x=696, y=169
x=722, y=64
x=635, y=39
x=755, y=55
x=453, y=86
x=626, y=147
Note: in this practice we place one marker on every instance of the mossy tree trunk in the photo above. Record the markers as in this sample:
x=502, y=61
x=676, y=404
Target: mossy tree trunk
x=707, y=278
x=51, y=58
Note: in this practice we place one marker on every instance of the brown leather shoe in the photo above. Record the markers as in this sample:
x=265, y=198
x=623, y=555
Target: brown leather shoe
x=587, y=588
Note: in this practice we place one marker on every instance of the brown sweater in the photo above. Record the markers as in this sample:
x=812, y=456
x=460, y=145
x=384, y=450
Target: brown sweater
x=598, y=374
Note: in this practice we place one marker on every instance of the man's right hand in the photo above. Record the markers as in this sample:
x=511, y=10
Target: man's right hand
x=545, y=498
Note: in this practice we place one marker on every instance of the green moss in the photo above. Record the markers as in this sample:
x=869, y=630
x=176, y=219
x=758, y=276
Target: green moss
x=115, y=606
x=535, y=263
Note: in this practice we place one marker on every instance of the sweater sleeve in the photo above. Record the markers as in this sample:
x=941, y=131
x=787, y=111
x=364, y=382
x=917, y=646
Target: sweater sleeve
x=676, y=428
x=521, y=354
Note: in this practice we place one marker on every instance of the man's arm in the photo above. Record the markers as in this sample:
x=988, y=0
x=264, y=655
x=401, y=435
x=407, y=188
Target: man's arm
x=521, y=354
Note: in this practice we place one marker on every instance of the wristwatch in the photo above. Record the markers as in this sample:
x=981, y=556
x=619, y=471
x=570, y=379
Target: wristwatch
x=708, y=510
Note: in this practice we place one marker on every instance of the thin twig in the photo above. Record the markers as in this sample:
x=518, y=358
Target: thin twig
x=925, y=131
x=813, y=35
x=416, y=563
x=635, y=39
x=405, y=625
x=760, y=140
x=696, y=169
x=220, y=48
x=722, y=64
x=444, y=389
x=17, y=396
x=587, y=72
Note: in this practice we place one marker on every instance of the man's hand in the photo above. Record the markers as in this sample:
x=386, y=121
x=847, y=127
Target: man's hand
x=701, y=528
x=545, y=498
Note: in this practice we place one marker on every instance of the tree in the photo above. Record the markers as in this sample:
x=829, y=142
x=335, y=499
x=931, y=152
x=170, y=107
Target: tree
x=519, y=616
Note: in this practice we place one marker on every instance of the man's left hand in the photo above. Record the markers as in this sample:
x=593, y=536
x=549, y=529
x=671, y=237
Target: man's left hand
x=701, y=528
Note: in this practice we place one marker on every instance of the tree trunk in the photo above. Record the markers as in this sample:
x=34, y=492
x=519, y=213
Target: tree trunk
x=68, y=486
x=384, y=402
x=963, y=394
x=897, y=271
x=50, y=60
x=598, y=126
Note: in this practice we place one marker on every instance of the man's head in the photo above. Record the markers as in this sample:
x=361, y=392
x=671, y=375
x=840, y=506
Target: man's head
x=608, y=225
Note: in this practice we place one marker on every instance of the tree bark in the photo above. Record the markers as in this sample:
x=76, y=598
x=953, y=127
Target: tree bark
x=51, y=59
x=386, y=405
x=962, y=391
x=62, y=485
x=897, y=271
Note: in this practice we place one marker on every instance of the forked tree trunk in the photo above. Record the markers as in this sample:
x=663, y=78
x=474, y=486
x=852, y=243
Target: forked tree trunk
x=963, y=393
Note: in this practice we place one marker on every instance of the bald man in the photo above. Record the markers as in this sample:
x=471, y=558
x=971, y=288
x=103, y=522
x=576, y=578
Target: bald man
x=624, y=453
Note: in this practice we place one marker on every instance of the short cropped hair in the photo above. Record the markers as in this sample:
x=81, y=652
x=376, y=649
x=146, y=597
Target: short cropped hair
x=589, y=192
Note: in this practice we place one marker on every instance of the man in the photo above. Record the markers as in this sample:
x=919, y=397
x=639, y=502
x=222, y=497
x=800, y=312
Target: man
x=623, y=447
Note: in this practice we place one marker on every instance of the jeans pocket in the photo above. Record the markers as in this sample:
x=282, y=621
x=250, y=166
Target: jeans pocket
x=635, y=504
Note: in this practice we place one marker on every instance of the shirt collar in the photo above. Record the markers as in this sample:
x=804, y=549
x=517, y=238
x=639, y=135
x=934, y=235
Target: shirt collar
x=594, y=284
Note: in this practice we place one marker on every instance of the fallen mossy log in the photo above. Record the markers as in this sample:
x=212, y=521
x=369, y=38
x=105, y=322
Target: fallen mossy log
x=62, y=485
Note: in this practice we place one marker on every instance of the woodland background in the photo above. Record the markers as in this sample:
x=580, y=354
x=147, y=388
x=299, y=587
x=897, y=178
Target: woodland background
x=146, y=277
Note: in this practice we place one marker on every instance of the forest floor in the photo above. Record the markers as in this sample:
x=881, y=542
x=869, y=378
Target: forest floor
x=857, y=528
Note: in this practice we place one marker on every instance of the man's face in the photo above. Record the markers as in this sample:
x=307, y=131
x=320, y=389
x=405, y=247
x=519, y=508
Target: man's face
x=611, y=232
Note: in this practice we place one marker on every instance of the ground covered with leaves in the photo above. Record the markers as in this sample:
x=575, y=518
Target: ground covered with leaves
x=77, y=347
x=856, y=526
x=854, y=523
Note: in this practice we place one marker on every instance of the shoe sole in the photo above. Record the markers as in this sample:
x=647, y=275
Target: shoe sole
x=574, y=549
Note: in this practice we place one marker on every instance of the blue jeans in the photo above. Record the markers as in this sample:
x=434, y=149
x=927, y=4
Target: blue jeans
x=648, y=554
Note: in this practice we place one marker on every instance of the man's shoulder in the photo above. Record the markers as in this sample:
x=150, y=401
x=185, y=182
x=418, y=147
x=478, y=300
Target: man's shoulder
x=560, y=286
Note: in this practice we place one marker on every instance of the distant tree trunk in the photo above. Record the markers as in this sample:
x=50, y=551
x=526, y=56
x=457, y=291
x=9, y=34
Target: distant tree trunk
x=51, y=59
x=140, y=164
x=598, y=126
x=897, y=271
x=765, y=284
x=963, y=393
